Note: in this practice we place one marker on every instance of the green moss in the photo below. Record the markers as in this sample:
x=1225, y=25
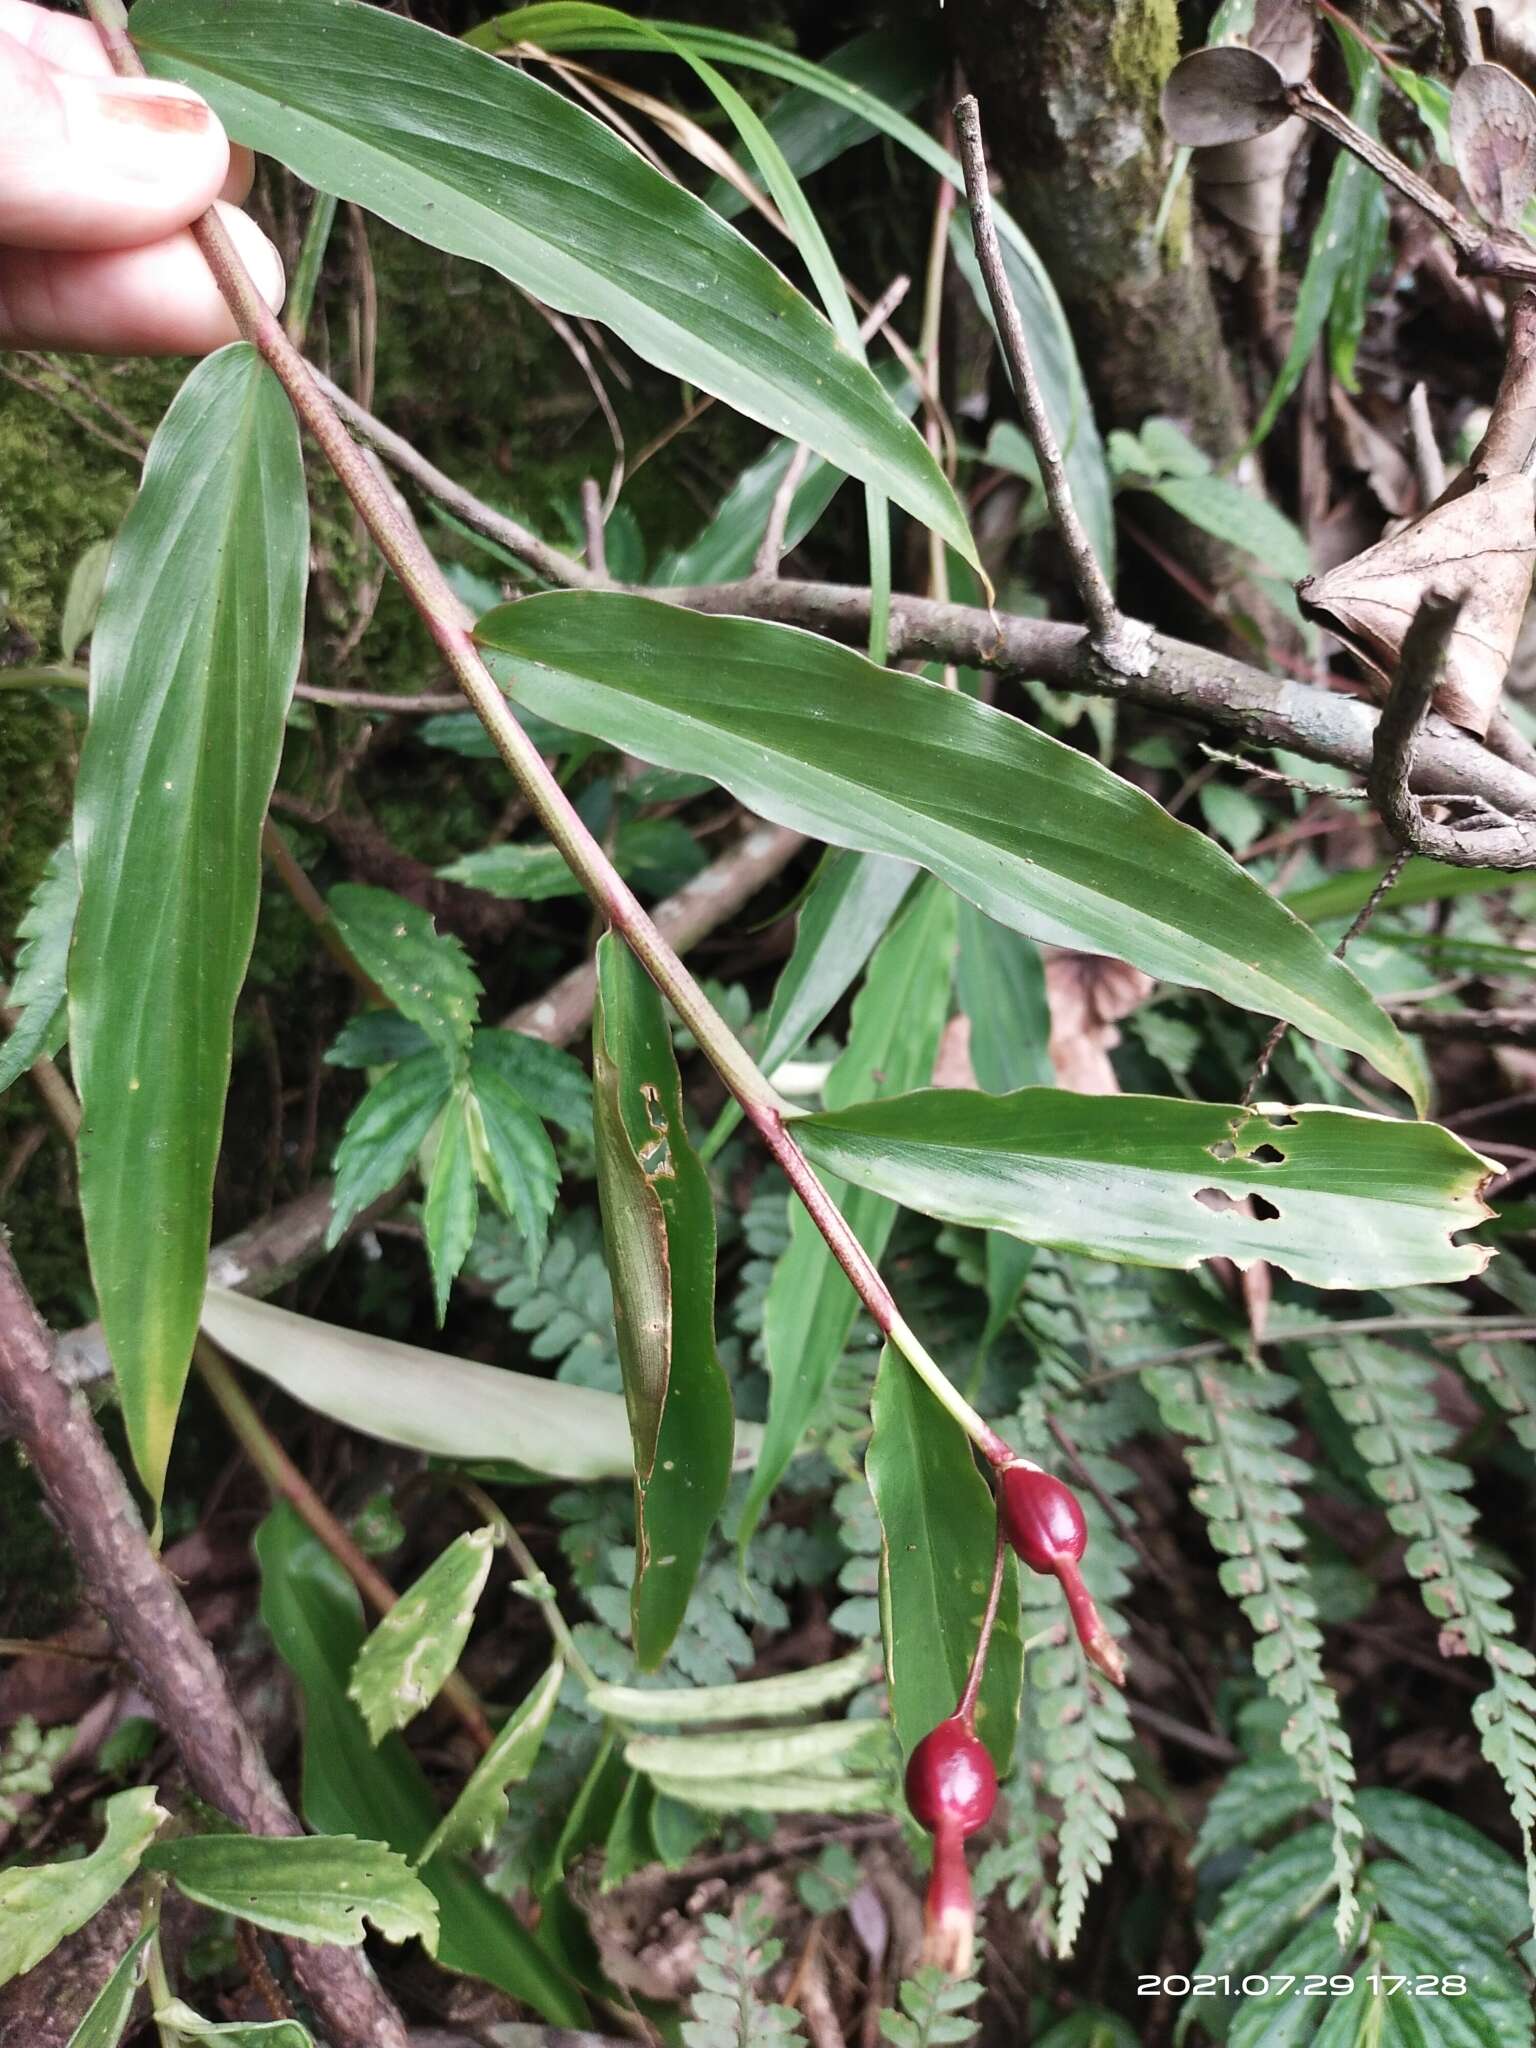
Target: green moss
x=1143, y=48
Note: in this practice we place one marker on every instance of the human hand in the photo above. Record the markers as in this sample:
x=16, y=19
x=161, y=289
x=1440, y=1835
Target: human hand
x=99, y=178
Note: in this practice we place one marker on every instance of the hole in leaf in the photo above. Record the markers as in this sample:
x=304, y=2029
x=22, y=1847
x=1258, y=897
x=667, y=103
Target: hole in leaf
x=1222, y=1204
x=1282, y=1122
x=1266, y=1155
x=1222, y=1149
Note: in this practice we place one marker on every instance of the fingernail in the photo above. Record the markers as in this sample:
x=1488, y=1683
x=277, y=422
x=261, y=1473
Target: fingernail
x=162, y=111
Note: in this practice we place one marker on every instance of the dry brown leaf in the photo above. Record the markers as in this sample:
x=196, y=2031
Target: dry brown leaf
x=952, y=1068
x=1493, y=141
x=1088, y=994
x=1244, y=180
x=1480, y=547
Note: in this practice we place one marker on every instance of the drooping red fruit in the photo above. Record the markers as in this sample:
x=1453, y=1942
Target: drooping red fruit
x=951, y=1789
x=951, y=1780
x=1042, y=1520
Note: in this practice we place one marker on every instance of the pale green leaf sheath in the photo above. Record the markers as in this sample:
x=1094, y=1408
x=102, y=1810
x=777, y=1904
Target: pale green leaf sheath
x=41, y=1904
x=480, y=160
x=811, y=735
x=193, y=663
x=659, y=1227
x=405, y=1662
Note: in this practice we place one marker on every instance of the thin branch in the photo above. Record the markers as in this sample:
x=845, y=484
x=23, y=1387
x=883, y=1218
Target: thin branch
x=1479, y=1027
x=1119, y=643
x=171, y=1661
x=1510, y=845
x=1461, y=26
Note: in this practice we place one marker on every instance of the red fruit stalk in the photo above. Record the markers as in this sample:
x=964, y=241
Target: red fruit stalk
x=1043, y=1521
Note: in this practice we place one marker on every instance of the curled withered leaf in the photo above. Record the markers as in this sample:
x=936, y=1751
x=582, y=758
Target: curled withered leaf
x=1225, y=94
x=1480, y=547
x=1245, y=181
x=1493, y=141
x=1088, y=994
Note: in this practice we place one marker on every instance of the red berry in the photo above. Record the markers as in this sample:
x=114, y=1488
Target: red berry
x=1042, y=1520
x=1041, y=1517
x=951, y=1780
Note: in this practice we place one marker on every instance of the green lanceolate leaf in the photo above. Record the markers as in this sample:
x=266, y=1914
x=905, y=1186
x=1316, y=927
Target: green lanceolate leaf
x=317, y=1887
x=425, y=973
x=41, y=1904
x=550, y=1081
x=1041, y=838
x=349, y=1786
x=659, y=1228
x=481, y=1807
x=938, y=1536
x=513, y=1155
x=450, y=1408
x=1342, y=1199
x=405, y=1663
x=483, y=161
x=189, y=2025
x=106, y=2021
x=894, y=1039
x=569, y=25
x=825, y=1749
x=193, y=663
x=37, y=993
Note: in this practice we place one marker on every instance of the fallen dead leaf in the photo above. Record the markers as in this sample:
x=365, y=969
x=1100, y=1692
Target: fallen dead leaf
x=1088, y=993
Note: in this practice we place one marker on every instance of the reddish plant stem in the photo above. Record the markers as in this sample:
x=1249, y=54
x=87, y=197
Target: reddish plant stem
x=965, y=1709
x=447, y=621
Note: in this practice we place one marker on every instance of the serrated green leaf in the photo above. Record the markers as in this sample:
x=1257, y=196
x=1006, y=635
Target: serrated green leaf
x=511, y=174
x=545, y=1076
x=938, y=1528
x=41, y=1903
x=512, y=1152
x=38, y=991
x=450, y=1207
x=653, y=853
x=791, y=1692
x=425, y=973
x=313, y=1612
x=659, y=1230
x=898, y=1018
x=481, y=1807
x=1038, y=836
x=385, y=1132
x=376, y=1038
x=235, y=2034
x=193, y=663
x=1277, y=1891
x=408, y=1659
x=110, y=2010
x=1252, y=1801
x=1358, y=1200
x=317, y=1887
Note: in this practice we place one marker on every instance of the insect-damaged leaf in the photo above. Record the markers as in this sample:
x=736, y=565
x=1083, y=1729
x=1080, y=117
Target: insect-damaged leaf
x=1340, y=1199
x=317, y=1887
x=482, y=1805
x=41, y=1903
x=659, y=1228
x=405, y=1663
x=193, y=662
x=1479, y=546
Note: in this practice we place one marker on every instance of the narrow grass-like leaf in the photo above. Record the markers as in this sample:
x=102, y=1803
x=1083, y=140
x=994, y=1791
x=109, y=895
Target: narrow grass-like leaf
x=1341, y=1199
x=480, y=160
x=349, y=1786
x=481, y=1807
x=41, y=1903
x=1038, y=836
x=407, y=1660
x=185, y=2024
x=106, y=2021
x=754, y=1699
x=938, y=1529
x=317, y=1887
x=659, y=1228
x=894, y=1039
x=37, y=993
x=193, y=663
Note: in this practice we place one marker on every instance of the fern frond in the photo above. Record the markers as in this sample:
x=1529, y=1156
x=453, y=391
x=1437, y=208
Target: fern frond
x=1508, y=1373
x=1387, y=1398
x=1079, y=1725
x=934, y=2010
x=1248, y=1491
x=563, y=1304
x=735, y=1954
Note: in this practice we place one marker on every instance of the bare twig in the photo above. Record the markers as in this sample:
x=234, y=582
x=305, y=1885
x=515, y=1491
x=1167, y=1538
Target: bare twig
x=173, y=1664
x=1119, y=642
x=1510, y=845
x=1428, y=463
x=592, y=527
x=1480, y=1027
x=1461, y=26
